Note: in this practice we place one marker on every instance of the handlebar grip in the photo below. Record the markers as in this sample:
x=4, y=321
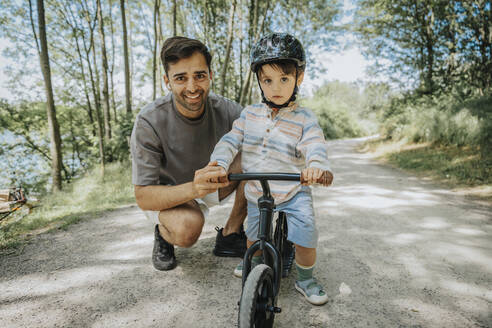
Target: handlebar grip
x=325, y=180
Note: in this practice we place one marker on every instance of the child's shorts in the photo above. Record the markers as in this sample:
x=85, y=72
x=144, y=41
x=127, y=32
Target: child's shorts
x=300, y=219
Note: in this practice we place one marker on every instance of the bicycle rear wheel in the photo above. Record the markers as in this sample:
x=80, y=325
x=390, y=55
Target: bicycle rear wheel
x=285, y=247
x=256, y=308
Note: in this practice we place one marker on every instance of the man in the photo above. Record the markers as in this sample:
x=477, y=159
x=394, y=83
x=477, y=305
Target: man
x=171, y=143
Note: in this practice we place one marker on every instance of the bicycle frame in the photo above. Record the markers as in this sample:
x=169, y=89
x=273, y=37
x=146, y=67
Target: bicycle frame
x=266, y=205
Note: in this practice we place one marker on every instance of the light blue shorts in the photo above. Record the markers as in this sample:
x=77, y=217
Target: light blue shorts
x=300, y=219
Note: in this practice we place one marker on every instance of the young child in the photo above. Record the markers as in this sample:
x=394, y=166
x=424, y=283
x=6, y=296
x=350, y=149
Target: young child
x=280, y=136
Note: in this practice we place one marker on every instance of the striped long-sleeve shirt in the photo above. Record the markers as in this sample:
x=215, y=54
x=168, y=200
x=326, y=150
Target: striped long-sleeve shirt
x=289, y=142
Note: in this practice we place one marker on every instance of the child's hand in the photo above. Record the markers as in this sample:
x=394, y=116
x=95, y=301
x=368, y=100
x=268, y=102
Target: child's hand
x=208, y=179
x=311, y=175
x=221, y=174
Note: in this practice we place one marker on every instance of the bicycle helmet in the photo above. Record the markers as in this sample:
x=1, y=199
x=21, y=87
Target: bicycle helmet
x=274, y=47
x=277, y=46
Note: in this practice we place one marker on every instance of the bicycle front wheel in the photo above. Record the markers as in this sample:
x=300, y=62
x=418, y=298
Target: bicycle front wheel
x=257, y=299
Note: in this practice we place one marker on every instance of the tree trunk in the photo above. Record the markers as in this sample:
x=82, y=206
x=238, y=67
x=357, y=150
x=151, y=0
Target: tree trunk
x=159, y=62
x=257, y=30
x=175, y=9
x=228, y=47
x=86, y=92
x=107, y=115
x=126, y=60
x=430, y=50
x=157, y=4
x=241, y=40
x=95, y=89
x=54, y=129
x=113, y=102
x=130, y=45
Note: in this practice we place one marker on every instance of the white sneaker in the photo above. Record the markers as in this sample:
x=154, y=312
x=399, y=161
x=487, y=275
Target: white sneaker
x=238, y=270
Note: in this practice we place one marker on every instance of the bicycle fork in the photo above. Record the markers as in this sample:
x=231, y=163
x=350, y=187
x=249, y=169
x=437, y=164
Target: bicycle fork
x=271, y=255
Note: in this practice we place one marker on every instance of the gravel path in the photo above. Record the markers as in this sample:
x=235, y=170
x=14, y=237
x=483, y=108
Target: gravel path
x=394, y=251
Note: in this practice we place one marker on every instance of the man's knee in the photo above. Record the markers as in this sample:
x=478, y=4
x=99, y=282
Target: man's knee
x=187, y=224
x=187, y=234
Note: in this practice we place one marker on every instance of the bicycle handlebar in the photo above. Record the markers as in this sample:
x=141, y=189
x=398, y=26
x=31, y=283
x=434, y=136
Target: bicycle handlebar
x=264, y=176
x=324, y=180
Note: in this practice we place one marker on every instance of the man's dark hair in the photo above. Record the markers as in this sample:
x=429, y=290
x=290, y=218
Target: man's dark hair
x=179, y=47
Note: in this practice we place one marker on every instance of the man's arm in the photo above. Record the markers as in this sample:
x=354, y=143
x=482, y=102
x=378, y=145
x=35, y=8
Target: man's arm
x=158, y=198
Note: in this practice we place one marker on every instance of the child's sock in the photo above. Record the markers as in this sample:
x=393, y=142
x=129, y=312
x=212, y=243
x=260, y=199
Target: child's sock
x=303, y=272
x=255, y=260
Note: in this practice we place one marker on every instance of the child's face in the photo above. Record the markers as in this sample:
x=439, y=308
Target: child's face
x=276, y=85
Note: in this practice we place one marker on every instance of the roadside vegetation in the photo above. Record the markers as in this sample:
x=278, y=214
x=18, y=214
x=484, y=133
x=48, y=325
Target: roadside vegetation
x=444, y=137
x=88, y=196
x=346, y=110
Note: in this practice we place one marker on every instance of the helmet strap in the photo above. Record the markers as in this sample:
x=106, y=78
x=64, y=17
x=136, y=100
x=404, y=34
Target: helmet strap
x=272, y=104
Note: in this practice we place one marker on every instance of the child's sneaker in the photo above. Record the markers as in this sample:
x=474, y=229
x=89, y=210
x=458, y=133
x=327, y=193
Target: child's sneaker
x=312, y=291
x=238, y=270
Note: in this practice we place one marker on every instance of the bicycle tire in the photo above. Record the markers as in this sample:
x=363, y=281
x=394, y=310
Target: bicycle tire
x=256, y=296
x=284, y=246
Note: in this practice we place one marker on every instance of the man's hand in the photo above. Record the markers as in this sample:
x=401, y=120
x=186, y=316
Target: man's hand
x=209, y=179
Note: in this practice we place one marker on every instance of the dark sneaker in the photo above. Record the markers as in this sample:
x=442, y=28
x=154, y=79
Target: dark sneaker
x=233, y=245
x=163, y=253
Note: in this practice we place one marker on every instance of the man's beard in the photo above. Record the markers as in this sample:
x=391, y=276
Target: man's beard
x=192, y=107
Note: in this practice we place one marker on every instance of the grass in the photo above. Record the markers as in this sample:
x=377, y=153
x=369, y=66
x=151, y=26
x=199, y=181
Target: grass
x=463, y=168
x=86, y=197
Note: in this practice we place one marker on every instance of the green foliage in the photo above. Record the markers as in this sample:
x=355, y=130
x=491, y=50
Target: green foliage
x=334, y=117
x=85, y=197
x=118, y=148
x=443, y=119
x=345, y=111
x=27, y=150
x=431, y=44
x=456, y=165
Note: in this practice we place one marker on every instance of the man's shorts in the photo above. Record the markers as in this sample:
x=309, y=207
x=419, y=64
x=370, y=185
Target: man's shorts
x=204, y=203
x=300, y=219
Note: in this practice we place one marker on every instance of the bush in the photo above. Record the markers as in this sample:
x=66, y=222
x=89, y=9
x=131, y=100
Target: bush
x=441, y=119
x=334, y=118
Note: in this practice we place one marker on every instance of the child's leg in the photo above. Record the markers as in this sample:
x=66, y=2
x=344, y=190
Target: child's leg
x=255, y=260
x=306, y=284
x=305, y=257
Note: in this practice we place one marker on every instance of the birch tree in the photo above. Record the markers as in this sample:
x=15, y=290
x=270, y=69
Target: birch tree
x=54, y=129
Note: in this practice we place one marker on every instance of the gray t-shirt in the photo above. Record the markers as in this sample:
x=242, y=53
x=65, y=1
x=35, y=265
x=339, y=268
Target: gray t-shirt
x=167, y=148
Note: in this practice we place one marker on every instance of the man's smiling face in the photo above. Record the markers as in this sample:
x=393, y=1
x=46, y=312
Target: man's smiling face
x=189, y=80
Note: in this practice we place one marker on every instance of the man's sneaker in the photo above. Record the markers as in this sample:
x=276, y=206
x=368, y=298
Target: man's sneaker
x=163, y=253
x=233, y=245
x=312, y=291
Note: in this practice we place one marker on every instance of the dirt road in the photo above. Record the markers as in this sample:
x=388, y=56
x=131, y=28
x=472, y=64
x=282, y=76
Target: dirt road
x=394, y=251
